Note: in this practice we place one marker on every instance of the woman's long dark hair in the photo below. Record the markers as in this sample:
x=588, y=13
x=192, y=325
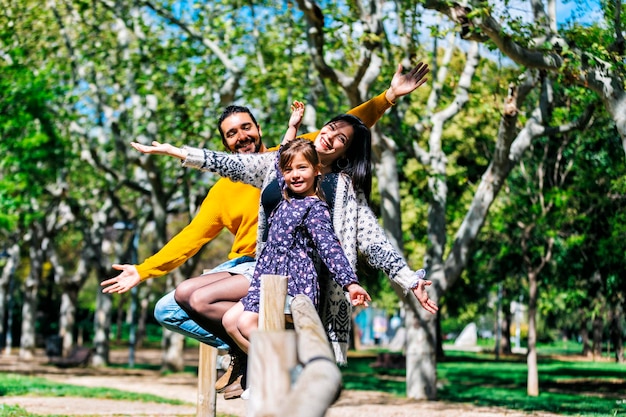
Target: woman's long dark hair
x=358, y=155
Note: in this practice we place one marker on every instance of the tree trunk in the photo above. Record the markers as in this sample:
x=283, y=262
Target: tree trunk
x=617, y=331
x=67, y=319
x=31, y=287
x=102, y=327
x=532, y=385
x=597, y=333
x=143, y=315
x=389, y=188
x=119, y=317
x=172, y=343
x=507, y=321
x=584, y=337
x=441, y=354
x=421, y=356
x=6, y=284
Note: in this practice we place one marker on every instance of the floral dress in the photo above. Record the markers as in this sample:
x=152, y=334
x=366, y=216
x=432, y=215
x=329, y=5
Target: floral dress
x=300, y=229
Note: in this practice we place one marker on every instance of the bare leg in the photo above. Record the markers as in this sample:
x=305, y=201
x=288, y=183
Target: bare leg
x=206, y=298
x=185, y=289
x=230, y=320
x=248, y=323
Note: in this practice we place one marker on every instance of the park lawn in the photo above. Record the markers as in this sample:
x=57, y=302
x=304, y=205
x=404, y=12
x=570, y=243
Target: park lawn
x=577, y=388
x=17, y=385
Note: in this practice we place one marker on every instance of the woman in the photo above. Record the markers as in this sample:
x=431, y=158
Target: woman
x=343, y=145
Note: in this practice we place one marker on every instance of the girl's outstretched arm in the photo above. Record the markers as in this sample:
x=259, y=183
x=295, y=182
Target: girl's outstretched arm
x=297, y=112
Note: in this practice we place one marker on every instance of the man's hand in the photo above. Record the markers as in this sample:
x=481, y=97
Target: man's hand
x=123, y=282
x=403, y=84
x=422, y=296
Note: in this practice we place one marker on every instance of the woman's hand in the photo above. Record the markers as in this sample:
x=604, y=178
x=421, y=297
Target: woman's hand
x=124, y=281
x=422, y=296
x=403, y=84
x=158, y=148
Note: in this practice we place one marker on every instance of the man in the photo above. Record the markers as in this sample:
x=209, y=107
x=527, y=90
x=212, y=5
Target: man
x=241, y=134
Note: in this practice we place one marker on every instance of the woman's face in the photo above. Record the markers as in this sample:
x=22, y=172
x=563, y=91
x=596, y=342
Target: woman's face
x=333, y=140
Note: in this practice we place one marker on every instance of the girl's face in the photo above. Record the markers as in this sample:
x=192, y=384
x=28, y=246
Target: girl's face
x=332, y=141
x=300, y=176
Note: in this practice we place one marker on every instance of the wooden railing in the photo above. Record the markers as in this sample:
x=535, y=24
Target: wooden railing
x=291, y=372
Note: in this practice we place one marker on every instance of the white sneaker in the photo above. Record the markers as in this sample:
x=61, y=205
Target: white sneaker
x=245, y=395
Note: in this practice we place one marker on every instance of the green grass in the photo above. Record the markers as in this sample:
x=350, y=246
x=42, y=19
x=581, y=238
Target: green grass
x=568, y=388
x=14, y=411
x=16, y=385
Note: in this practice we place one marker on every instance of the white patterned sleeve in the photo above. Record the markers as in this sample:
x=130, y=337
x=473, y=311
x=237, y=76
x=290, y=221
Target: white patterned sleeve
x=377, y=248
x=247, y=168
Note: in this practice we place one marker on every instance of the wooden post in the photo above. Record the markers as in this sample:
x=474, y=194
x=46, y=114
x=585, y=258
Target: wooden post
x=272, y=352
x=272, y=308
x=207, y=376
x=319, y=383
x=271, y=358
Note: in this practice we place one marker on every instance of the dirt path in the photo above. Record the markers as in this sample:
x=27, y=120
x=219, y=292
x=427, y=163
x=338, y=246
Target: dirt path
x=184, y=387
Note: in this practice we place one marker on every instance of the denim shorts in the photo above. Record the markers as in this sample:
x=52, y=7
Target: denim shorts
x=243, y=265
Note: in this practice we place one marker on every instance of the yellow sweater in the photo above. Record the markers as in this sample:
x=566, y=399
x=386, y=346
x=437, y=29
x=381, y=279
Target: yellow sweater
x=234, y=206
x=231, y=205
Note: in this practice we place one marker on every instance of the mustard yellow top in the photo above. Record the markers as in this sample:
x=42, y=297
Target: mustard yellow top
x=234, y=206
x=230, y=205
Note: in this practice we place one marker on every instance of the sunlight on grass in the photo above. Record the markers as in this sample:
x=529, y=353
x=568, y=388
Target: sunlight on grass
x=13, y=411
x=586, y=389
x=16, y=385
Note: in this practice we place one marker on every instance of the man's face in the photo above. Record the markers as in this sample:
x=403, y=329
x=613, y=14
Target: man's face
x=241, y=135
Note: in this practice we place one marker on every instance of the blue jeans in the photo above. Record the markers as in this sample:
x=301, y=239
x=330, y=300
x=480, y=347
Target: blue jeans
x=169, y=314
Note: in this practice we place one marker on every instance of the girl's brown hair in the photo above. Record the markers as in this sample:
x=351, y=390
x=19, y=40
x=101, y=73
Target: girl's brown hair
x=304, y=147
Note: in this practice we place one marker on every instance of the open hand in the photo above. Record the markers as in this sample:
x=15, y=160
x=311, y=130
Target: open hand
x=128, y=279
x=158, y=148
x=403, y=84
x=422, y=296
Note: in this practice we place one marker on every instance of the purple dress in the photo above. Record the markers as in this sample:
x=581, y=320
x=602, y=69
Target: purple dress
x=299, y=230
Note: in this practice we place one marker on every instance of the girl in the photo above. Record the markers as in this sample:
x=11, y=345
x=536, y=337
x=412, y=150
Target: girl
x=299, y=229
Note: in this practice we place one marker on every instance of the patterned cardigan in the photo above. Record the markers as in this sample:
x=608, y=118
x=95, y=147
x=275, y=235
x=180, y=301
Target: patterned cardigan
x=354, y=222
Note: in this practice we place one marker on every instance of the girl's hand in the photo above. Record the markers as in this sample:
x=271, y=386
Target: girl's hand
x=297, y=112
x=358, y=295
x=422, y=296
x=160, y=149
x=403, y=84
